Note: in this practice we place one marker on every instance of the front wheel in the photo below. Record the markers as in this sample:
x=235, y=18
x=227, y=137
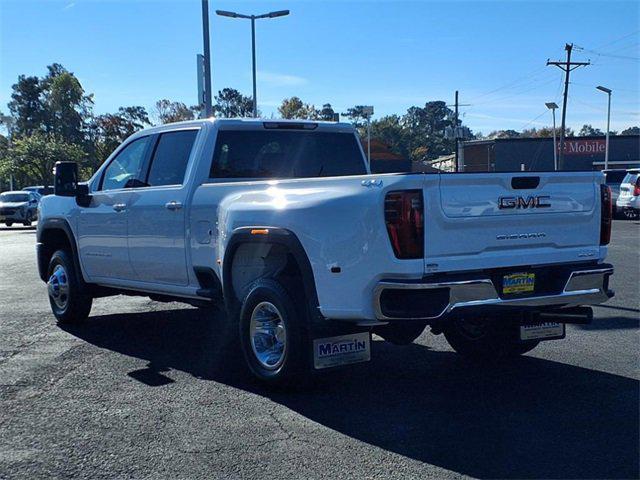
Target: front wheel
x=8, y=224
x=484, y=338
x=28, y=219
x=68, y=302
x=272, y=334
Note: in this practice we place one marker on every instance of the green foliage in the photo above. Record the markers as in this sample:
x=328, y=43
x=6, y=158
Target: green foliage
x=326, y=113
x=542, y=132
x=27, y=106
x=357, y=116
x=419, y=134
x=587, y=131
x=31, y=159
x=631, y=131
x=294, y=108
x=530, y=133
x=169, y=112
x=111, y=129
x=391, y=131
x=55, y=104
x=230, y=103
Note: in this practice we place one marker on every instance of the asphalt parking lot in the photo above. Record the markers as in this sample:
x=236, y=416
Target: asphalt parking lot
x=138, y=392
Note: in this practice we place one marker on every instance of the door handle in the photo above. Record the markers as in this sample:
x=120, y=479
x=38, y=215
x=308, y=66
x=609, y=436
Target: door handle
x=119, y=207
x=173, y=205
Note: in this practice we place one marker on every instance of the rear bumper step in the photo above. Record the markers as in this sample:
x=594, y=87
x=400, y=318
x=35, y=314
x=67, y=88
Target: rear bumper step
x=433, y=300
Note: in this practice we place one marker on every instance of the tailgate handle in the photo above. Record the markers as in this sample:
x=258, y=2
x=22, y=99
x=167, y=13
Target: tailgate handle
x=525, y=183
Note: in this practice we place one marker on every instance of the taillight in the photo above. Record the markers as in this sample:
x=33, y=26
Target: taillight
x=636, y=189
x=404, y=216
x=605, y=214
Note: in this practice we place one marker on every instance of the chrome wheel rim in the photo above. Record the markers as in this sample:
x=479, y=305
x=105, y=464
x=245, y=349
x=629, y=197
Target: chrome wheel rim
x=58, y=286
x=268, y=335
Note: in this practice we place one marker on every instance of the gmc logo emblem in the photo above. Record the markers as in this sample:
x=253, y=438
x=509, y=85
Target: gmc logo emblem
x=507, y=203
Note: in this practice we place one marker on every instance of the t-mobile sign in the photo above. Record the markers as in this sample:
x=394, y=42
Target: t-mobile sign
x=584, y=147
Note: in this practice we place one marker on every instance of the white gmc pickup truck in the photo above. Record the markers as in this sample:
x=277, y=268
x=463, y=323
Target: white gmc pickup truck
x=282, y=224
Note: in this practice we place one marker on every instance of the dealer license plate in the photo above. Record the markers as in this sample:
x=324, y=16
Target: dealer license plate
x=341, y=350
x=542, y=331
x=516, y=283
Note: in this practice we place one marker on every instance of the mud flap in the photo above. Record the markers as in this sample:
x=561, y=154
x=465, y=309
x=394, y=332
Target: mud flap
x=341, y=350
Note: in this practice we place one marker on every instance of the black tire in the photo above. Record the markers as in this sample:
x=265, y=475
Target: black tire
x=293, y=364
x=8, y=224
x=401, y=333
x=77, y=306
x=486, y=339
x=28, y=219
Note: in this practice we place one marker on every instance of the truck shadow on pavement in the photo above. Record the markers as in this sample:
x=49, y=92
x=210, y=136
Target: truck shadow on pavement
x=532, y=418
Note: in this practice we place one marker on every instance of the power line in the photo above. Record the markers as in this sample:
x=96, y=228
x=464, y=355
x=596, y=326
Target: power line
x=533, y=120
x=527, y=78
x=618, y=39
x=518, y=93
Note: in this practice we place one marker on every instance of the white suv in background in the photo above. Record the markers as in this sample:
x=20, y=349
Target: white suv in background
x=628, y=201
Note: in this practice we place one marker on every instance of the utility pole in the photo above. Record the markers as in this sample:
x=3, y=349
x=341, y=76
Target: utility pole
x=455, y=127
x=208, y=110
x=566, y=67
x=253, y=59
x=455, y=133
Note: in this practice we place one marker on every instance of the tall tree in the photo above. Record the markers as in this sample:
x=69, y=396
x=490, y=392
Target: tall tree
x=294, y=108
x=389, y=130
x=327, y=113
x=230, y=103
x=169, y=112
x=587, y=131
x=67, y=108
x=111, y=129
x=357, y=115
x=26, y=106
x=631, y=131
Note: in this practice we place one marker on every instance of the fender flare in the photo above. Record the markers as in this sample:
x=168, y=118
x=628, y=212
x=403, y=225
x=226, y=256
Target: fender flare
x=279, y=236
x=59, y=224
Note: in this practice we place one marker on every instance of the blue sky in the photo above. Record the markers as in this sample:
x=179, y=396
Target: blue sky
x=389, y=54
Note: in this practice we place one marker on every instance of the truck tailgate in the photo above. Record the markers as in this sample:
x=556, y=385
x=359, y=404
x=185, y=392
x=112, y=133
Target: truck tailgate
x=491, y=220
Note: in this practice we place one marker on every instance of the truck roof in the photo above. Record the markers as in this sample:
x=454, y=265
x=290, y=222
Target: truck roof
x=256, y=123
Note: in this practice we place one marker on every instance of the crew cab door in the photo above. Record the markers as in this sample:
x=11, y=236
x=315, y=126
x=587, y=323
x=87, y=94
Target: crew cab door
x=156, y=231
x=102, y=226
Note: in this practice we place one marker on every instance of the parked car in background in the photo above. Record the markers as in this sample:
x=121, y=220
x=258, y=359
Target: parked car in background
x=613, y=178
x=18, y=207
x=42, y=190
x=628, y=202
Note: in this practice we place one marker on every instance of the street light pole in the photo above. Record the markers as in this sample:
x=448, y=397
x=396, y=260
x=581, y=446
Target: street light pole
x=208, y=110
x=253, y=18
x=552, y=106
x=253, y=54
x=606, y=147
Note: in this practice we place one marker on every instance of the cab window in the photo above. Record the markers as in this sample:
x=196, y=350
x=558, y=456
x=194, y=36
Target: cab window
x=171, y=157
x=127, y=166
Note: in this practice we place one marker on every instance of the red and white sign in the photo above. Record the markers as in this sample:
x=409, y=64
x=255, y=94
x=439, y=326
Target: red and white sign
x=584, y=147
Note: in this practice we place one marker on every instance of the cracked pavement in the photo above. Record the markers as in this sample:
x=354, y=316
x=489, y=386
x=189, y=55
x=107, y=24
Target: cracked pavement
x=141, y=392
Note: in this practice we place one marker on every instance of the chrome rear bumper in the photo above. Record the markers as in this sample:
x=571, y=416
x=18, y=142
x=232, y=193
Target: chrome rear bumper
x=583, y=287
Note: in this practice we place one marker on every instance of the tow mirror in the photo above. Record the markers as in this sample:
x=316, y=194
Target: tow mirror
x=66, y=179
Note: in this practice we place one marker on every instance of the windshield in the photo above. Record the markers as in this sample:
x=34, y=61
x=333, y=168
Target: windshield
x=631, y=178
x=14, y=197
